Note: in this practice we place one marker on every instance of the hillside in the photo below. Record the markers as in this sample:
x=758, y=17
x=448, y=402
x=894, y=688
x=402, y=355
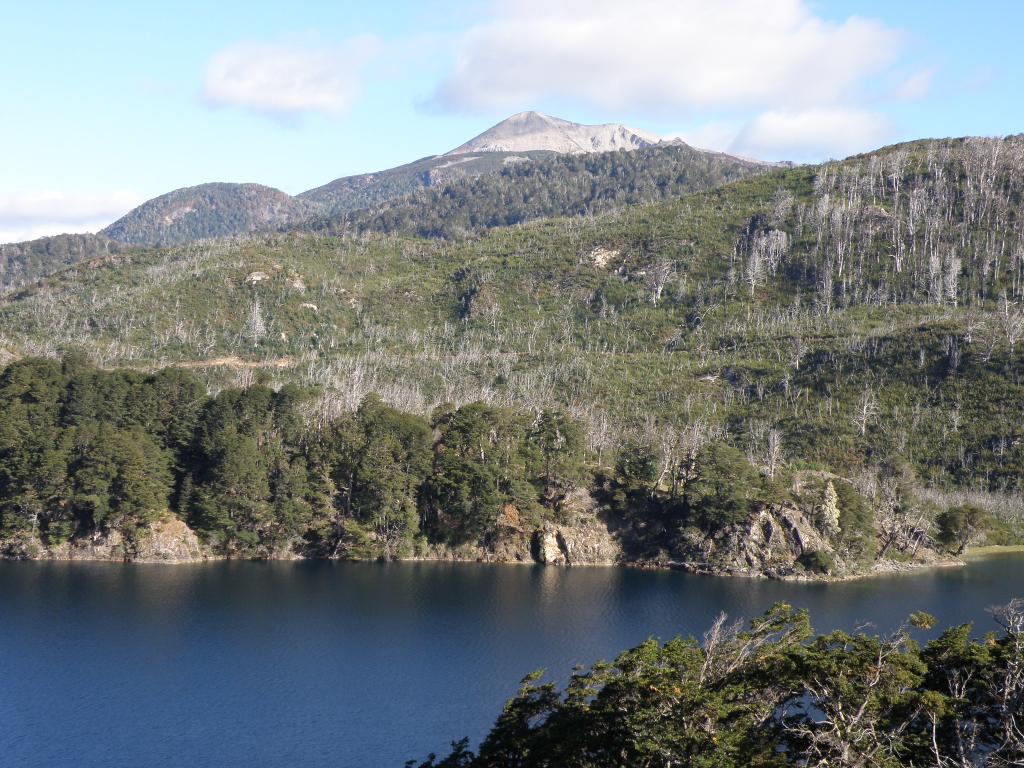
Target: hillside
x=553, y=185
x=205, y=211
x=219, y=209
x=859, y=321
x=369, y=190
x=444, y=195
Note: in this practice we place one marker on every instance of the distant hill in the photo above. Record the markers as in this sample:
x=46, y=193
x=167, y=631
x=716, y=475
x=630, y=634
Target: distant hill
x=369, y=190
x=531, y=131
x=23, y=263
x=526, y=136
x=204, y=211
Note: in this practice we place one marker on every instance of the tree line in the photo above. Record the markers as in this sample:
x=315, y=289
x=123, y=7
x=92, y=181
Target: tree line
x=86, y=451
x=259, y=472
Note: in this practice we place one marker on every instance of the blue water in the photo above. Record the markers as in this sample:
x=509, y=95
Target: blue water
x=341, y=664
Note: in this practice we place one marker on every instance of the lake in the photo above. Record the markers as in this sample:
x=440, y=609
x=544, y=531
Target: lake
x=357, y=664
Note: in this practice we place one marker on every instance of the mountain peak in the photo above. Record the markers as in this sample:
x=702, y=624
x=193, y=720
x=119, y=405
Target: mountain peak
x=532, y=131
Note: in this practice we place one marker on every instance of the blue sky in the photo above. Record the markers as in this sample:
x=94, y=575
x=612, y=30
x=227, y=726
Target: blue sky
x=107, y=104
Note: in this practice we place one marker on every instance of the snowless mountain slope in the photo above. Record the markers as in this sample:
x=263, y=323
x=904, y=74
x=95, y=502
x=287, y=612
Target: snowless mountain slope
x=532, y=131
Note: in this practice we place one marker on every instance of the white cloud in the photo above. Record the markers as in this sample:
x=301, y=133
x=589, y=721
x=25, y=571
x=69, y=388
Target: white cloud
x=664, y=56
x=284, y=79
x=811, y=134
x=916, y=86
x=718, y=136
x=31, y=214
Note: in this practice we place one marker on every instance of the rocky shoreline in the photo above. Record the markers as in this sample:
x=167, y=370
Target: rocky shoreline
x=756, y=550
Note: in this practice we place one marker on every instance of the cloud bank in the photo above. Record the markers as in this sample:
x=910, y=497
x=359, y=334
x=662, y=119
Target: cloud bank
x=281, y=79
x=773, y=61
x=31, y=214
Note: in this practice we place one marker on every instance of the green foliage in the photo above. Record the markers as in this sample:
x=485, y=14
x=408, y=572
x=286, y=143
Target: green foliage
x=958, y=525
x=885, y=332
x=481, y=457
x=207, y=210
x=774, y=695
x=856, y=519
x=392, y=462
x=558, y=442
x=366, y=191
x=818, y=562
x=636, y=467
x=120, y=478
x=86, y=451
x=721, y=491
x=24, y=263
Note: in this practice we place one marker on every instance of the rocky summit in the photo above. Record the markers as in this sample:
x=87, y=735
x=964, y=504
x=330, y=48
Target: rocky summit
x=534, y=131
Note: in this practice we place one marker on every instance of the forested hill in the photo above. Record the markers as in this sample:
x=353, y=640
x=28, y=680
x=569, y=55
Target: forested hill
x=369, y=190
x=854, y=326
x=440, y=195
x=555, y=185
x=24, y=263
x=206, y=211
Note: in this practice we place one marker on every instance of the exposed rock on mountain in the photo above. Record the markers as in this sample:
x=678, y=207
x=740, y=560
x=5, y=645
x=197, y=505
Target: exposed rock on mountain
x=531, y=131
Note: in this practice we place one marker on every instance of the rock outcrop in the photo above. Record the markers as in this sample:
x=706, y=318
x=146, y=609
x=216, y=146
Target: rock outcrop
x=165, y=541
x=583, y=538
x=168, y=542
x=770, y=542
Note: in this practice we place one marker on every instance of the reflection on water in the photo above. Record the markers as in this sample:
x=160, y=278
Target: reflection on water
x=333, y=664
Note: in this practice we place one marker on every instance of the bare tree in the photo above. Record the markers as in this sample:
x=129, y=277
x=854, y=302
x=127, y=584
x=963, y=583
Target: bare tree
x=865, y=411
x=256, y=326
x=657, y=277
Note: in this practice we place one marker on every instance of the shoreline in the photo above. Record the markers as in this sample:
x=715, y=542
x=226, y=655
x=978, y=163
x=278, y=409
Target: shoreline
x=994, y=549
x=878, y=569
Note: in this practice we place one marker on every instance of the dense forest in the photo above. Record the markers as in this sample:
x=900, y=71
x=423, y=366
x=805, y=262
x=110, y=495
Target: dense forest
x=85, y=451
x=206, y=211
x=439, y=195
x=369, y=190
x=263, y=473
x=772, y=695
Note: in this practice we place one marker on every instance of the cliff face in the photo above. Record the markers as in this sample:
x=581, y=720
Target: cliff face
x=582, y=538
x=771, y=542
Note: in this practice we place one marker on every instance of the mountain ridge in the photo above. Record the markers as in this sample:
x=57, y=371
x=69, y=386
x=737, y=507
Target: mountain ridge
x=224, y=209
